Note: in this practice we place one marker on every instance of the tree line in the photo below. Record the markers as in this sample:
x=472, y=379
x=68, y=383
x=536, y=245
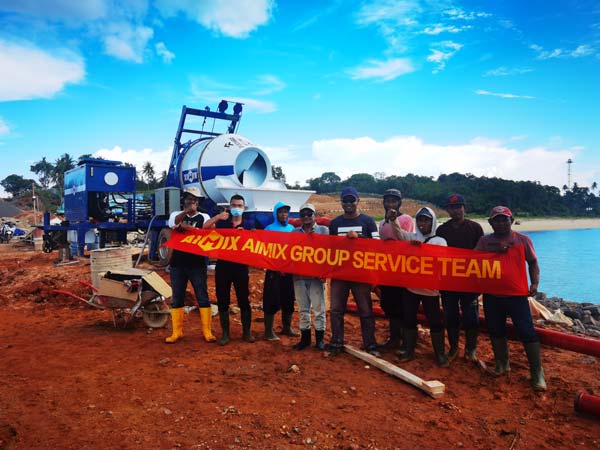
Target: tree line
x=482, y=193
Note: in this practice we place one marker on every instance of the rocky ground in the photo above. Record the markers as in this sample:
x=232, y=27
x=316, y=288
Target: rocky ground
x=69, y=380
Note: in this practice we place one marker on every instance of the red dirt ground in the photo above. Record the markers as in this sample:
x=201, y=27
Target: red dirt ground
x=69, y=380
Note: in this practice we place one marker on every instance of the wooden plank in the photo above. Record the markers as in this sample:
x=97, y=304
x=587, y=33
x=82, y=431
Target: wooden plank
x=433, y=388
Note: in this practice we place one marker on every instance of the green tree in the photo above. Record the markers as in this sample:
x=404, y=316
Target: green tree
x=149, y=173
x=277, y=172
x=44, y=171
x=16, y=184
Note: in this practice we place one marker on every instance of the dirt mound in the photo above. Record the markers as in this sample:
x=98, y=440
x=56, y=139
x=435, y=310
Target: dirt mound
x=7, y=209
x=329, y=205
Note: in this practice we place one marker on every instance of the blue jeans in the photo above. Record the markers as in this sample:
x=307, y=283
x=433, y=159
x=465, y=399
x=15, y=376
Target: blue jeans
x=497, y=309
x=468, y=307
x=179, y=280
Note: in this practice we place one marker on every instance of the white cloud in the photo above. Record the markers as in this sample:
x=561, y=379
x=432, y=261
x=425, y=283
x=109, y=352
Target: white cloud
x=401, y=13
x=410, y=154
x=561, y=53
x=444, y=51
x=233, y=18
x=159, y=159
x=269, y=84
x=4, y=128
x=164, y=53
x=458, y=13
x=497, y=94
x=126, y=41
x=506, y=71
x=382, y=70
x=440, y=28
x=27, y=72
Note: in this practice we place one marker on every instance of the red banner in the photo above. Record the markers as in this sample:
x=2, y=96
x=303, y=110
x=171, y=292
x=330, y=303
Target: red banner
x=391, y=263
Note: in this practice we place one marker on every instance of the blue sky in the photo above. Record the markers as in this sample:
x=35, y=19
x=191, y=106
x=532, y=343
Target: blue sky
x=505, y=89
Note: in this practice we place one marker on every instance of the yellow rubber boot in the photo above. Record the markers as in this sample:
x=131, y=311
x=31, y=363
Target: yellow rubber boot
x=206, y=319
x=177, y=320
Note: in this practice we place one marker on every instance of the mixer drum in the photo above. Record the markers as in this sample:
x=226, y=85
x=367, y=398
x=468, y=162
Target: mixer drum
x=226, y=161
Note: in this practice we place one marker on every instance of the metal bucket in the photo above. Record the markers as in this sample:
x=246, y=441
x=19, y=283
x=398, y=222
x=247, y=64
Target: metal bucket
x=109, y=259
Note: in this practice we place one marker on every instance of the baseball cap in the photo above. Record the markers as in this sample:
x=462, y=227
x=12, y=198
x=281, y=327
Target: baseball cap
x=393, y=193
x=500, y=211
x=424, y=212
x=192, y=190
x=349, y=191
x=455, y=199
x=307, y=206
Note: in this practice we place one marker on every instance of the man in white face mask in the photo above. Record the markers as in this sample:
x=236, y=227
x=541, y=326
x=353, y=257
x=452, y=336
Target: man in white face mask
x=228, y=273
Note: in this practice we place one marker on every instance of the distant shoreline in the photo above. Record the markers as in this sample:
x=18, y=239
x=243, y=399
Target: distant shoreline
x=547, y=224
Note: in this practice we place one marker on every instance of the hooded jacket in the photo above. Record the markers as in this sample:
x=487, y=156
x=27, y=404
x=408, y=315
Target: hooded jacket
x=432, y=239
x=276, y=225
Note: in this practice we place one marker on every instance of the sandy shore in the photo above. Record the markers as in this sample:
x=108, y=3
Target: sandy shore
x=547, y=224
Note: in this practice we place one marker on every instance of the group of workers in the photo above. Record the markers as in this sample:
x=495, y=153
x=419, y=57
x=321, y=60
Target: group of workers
x=281, y=290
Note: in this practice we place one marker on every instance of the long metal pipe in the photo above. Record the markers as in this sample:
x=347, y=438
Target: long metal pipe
x=571, y=342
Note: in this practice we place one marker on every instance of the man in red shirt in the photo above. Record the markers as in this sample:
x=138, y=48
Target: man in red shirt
x=497, y=307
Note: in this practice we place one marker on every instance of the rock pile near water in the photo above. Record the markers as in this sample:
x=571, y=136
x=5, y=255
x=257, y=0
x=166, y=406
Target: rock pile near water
x=585, y=316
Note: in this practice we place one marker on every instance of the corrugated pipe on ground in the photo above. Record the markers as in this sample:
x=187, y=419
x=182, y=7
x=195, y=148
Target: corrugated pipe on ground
x=571, y=342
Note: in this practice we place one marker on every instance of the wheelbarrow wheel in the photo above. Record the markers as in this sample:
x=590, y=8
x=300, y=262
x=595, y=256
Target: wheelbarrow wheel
x=156, y=319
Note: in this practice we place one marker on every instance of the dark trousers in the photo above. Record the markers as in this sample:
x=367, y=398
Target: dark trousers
x=339, y=299
x=497, y=309
x=468, y=307
x=226, y=274
x=391, y=301
x=278, y=293
x=179, y=280
x=431, y=307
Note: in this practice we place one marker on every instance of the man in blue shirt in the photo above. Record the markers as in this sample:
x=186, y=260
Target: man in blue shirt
x=278, y=291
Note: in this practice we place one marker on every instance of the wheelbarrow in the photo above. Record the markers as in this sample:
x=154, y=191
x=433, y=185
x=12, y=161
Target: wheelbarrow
x=135, y=300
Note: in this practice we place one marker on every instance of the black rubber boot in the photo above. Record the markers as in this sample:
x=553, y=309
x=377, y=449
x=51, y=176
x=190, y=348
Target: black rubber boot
x=471, y=344
x=269, y=333
x=500, y=347
x=439, y=350
x=224, y=319
x=246, y=324
x=320, y=339
x=286, y=322
x=453, y=336
x=304, y=340
x=532, y=349
x=410, y=343
x=395, y=339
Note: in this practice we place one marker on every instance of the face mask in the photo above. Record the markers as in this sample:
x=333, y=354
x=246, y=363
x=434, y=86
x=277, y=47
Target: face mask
x=236, y=212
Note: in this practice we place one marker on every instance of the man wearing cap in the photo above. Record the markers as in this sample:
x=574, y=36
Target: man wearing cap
x=391, y=296
x=353, y=225
x=462, y=233
x=498, y=307
x=278, y=291
x=310, y=291
x=229, y=272
x=186, y=267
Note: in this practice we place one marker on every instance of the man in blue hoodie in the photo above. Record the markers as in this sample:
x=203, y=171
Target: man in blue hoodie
x=278, y=291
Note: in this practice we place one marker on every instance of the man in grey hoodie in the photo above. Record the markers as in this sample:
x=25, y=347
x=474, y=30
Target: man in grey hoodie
x=430, y=298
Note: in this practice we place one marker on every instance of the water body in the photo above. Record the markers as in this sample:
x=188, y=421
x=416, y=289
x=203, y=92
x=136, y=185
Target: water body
x=569, y=263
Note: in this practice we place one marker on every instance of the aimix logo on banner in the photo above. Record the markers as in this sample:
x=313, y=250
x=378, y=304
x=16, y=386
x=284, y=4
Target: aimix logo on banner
x=390, y=263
